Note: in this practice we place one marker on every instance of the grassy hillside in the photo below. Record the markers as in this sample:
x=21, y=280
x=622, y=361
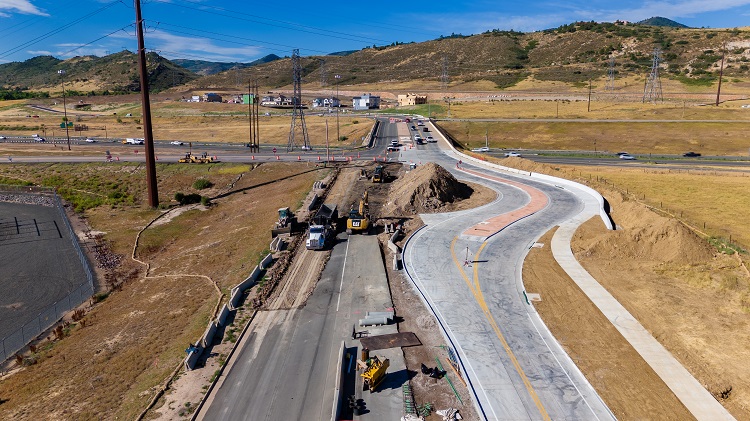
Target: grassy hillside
x=115, y=73
x=570, y=54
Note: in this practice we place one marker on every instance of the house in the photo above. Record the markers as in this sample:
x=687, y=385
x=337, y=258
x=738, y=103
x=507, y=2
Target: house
x=411, y=99
x=366, y=102
x=276, y=101
x=211, y=97
x=326, y=102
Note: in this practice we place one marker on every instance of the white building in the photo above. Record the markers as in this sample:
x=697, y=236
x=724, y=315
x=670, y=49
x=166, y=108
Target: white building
x=366, y=102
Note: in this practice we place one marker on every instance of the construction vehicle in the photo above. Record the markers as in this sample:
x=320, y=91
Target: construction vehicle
x=359, y=219
x=194, y=159
x=287, y=223
x=379, y=175
x=375, y=372
x=324, y=225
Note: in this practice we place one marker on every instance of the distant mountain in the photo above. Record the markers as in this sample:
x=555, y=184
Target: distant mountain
x=206, y=68
x=343, y=53
x=660, y=21
x=115, y=73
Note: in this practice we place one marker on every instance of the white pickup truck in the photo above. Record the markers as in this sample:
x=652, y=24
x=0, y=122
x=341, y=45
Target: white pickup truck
x=132, y=141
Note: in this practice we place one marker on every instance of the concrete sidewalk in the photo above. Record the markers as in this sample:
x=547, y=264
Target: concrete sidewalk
x=687, y=389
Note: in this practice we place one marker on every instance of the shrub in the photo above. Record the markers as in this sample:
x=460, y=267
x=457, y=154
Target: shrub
x=205, y=200
x=202, y=183
x=187, y=199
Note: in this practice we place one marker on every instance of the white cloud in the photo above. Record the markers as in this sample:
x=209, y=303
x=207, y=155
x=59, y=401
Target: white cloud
x=175, y=46
x=20, y=6
x=668, y=9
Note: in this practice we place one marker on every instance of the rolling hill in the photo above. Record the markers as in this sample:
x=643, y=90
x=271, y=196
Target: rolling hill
x=115, y=73
x=570, y=53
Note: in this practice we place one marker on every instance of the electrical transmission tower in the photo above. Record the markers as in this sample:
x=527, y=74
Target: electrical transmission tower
x=298, y=116
x=610, y=85
x=652, y=90
x=323, y=74
x=444, y=77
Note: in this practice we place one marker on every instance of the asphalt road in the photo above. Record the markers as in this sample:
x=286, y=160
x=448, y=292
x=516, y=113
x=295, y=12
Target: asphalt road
x=515, y=367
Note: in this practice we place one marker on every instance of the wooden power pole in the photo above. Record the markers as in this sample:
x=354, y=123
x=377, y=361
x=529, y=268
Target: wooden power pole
x=148, y=138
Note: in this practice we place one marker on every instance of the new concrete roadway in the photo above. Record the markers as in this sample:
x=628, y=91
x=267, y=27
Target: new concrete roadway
x=467, y=266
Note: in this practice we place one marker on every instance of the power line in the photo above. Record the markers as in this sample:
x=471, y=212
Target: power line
x=282, y=24
x=36, y=40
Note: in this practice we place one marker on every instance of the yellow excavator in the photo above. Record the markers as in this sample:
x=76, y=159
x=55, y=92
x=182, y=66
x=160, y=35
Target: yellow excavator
x=359, y=219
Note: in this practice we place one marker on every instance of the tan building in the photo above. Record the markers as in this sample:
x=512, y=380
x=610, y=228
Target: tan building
x=411, y=99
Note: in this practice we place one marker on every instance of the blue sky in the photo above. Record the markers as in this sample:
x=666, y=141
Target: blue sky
x=246, y=30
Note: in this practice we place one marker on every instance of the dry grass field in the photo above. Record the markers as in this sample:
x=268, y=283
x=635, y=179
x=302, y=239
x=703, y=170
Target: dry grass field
x=198, y=122
x=110, y=363
x=640, y=138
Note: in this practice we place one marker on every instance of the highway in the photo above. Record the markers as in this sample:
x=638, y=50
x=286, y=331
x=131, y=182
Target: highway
x=471, y=278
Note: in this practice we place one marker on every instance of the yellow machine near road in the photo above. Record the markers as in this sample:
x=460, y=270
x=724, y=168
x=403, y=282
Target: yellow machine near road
x=359, y=219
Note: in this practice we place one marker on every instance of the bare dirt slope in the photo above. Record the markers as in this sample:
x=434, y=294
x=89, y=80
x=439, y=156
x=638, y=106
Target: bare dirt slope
x=428, y=188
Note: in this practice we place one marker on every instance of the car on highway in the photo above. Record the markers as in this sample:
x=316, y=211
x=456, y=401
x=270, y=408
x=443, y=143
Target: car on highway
x=413, y=127
x=512, y=155
x=392, y=148
x=627, y=157
x=430, y=139
x=417, y=138
x=176, y=142
x=41, y=139
x=691, y=154
x=3, y=137
x=482, y=149
x=90, y=140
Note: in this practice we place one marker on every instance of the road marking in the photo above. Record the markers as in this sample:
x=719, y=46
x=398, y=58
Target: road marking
x=343, y=269
x=479, y=297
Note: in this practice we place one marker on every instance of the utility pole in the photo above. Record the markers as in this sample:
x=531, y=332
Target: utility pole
x=338, y=134
x=589, y=105
x=65, y=107
x=721, y=73
x=444, y=76
x=153, y=194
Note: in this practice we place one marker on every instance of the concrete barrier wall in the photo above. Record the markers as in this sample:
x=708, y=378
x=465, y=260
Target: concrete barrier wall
x=234, y=300
x=266, y=262
x=208, y=336
x=338, y=392
x=222, y=317
x=275, y=244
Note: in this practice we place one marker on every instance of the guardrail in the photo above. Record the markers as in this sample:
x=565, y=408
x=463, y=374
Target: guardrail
x=51, y=314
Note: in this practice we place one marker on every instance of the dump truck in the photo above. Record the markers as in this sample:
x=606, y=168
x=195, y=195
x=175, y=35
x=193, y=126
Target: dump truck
x=322, y=228
x=317, y=237
x=359, y=218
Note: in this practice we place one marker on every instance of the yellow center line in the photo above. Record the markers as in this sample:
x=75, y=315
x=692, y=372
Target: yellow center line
x=479, y=297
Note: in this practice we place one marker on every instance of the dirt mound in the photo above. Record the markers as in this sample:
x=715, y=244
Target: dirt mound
x=428, y=188
x=647, y=236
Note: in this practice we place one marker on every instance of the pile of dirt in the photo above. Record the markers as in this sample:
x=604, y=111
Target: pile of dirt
x=428, y=188
x=658, y=240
